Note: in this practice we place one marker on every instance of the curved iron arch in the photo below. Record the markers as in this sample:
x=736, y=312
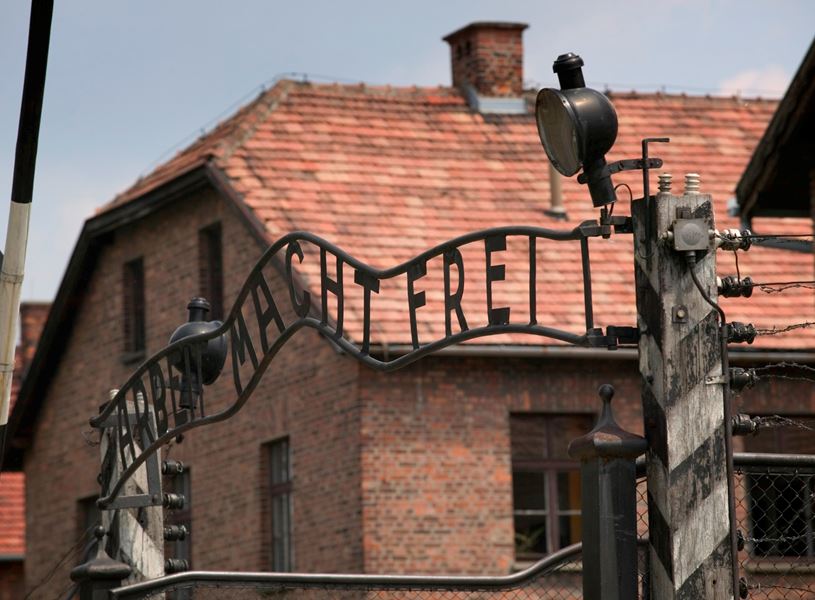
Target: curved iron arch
x=153, y=391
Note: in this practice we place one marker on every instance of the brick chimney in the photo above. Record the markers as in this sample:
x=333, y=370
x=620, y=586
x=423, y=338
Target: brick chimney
x=32, y=320
x=487, y=59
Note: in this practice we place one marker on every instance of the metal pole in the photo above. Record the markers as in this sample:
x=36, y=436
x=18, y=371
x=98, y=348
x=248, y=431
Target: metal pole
x=608, y=457
x=681, y=368
x=11, y=274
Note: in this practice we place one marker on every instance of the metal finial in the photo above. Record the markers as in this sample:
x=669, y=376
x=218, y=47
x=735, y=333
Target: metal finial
x=606, y=392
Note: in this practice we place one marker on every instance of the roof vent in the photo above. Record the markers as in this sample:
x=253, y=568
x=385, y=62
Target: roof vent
x=487, y=64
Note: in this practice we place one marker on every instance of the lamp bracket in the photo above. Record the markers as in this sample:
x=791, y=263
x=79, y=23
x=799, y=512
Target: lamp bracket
x=628, y=164
x=614, y=337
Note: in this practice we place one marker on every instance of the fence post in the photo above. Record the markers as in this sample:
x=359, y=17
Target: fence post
x=607, y=457
x=138, y=532
x=101, y=573
x=680, y=359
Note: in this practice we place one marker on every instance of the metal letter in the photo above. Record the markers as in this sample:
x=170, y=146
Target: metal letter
x=158, y=392
x=415, y=300
x=370, y=284
x=453, y=301
x=496, y=316
x=241, y=343
x=300, y=308
x=335, y=287
x=271, y=313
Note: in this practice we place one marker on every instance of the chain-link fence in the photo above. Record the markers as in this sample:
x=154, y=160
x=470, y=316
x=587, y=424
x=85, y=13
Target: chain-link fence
x=774, y=507
x=775, y=498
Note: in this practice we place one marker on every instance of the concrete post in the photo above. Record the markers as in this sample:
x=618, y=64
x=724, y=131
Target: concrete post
x=607, y=457
x=679, y=348
x=138, y=531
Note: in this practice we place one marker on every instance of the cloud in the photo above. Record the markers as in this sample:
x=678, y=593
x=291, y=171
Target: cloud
x=769, y=81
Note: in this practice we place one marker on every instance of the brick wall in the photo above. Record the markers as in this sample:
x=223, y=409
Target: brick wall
x=437, y=489
x=437, y=484
x=309, y=395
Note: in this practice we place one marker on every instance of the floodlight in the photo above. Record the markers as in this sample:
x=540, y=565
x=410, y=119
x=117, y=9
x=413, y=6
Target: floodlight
x=577, y=126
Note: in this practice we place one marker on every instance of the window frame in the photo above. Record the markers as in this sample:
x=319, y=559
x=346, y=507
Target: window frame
x=134, y=310
x=281, y=490
x=550, y=468
x=211, y=268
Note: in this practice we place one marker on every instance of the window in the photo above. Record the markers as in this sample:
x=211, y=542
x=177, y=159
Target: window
x=781, y=502
x=545, y=482
x=88, y=518
x=133, y=307
x=280, y=505
x=210, y=269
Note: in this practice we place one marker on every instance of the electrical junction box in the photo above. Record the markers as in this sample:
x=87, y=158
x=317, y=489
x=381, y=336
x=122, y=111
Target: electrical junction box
x=691, y=234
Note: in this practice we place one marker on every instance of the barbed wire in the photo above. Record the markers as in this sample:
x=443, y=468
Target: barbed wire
x=774, y=330
x=780, y=540
x=88, y=440
x=768, y=586
x=759, y=371
x=773, y=421
x=776, y=287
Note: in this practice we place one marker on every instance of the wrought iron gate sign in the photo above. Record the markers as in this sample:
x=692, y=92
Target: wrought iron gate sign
x=169, y=387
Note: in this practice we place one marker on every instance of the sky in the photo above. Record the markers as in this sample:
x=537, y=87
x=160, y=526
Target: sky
x=131, y=83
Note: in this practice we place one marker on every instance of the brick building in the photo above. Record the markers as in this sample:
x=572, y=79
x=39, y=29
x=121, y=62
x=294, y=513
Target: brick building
x=12, y=484
x=455, y=464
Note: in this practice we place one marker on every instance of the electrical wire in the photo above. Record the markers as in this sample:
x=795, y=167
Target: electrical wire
x=61, y=561
x=766, y=236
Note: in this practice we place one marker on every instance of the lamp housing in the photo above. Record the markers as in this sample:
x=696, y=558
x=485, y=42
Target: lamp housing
x=212, y=353
x=577, y=127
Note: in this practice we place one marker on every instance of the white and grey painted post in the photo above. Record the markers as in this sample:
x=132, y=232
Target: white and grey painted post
x=139, y=531
x=685, y=421
x=22, y=186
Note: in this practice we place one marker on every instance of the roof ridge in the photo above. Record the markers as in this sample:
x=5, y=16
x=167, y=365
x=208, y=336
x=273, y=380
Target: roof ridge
x=275, y=95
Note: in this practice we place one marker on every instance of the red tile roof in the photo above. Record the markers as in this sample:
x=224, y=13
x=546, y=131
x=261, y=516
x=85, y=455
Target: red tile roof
x=386, y=173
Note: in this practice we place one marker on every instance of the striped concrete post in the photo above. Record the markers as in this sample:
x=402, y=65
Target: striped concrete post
x=688, y=515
